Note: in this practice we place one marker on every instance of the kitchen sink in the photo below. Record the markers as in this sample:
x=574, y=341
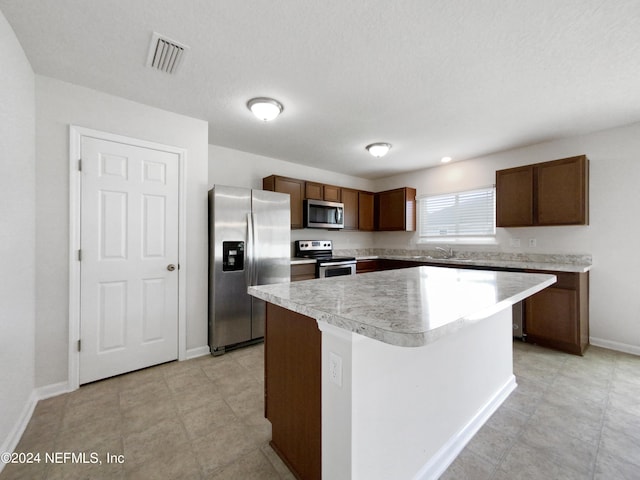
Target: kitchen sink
x=453, y=259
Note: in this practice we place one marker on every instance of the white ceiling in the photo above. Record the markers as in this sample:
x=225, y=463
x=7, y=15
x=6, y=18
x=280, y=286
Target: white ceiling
x=461, y=78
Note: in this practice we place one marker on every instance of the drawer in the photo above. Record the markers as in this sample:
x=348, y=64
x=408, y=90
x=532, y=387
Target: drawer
x=369, y=265
x=303, y=271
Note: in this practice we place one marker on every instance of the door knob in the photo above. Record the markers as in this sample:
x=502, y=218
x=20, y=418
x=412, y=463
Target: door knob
x=171, y=267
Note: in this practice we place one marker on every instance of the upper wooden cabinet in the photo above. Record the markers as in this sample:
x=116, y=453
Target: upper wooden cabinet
x=396, y=210
x=350, y=201
x=332, y=193
x=366, y=217
x=514, y=197
x=563, y=192
x=292, y=186
x=313, y=191
x=366, y=211
x=548, y=193
x=318, y=191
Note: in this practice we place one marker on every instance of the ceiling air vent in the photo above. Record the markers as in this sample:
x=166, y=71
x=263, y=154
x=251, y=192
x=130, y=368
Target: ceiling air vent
x=165, y=54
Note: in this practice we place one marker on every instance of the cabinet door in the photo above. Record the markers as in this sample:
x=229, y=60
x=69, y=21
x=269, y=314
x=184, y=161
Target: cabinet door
x=313, y=191
x=295, y=189
x=365, y=211
x=514, y=197
x=390, y=211
x=293, y=389
x=350, y=200
x=395, y=209
x=562, y=192
x=332, y=193
x=552, y=315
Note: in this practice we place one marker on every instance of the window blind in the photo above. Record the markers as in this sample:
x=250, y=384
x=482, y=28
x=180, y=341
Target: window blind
x=463, y=214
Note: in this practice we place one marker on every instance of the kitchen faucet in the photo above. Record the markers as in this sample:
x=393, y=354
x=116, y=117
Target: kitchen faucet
x=447, y=253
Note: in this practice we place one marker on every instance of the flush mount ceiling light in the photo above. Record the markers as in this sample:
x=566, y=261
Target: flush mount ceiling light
x=266, y=109
x=378, y=149
x=445, y=159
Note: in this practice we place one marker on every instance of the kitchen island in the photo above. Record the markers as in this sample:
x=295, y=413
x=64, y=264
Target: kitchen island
x=387, y=374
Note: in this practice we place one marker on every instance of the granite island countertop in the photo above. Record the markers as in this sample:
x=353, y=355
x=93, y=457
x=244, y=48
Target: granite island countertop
x=407, y=307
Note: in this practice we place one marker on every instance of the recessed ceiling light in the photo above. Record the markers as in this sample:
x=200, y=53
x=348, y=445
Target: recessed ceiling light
x=266, y=109
x=446, y=159
x=378, y=149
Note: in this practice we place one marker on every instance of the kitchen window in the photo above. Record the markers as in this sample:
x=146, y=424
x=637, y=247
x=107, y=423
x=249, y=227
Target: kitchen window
x=461, y=217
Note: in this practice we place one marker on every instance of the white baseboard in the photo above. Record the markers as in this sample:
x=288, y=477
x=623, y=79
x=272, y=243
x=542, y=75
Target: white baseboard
x=444, y=457
x=37, y=394
x=11, y=442
x=618, y=346
x=198, y=352
x=52, y=390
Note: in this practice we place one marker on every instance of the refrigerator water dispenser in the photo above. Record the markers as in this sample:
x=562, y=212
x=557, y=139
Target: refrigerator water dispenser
x=232, y=256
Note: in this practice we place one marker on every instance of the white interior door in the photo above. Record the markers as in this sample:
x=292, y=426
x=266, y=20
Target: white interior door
x=129, y=248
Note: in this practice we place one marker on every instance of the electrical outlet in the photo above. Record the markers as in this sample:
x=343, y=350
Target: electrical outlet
x=335, y=369
x=532, y=243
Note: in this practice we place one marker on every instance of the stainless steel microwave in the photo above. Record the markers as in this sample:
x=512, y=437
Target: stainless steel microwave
x=321, y=214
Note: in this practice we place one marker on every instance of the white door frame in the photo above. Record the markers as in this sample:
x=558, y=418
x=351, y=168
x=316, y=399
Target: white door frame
x=75, y=198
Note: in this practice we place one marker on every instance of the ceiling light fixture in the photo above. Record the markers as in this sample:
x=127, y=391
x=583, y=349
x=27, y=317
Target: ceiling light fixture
x=446, y=159
x=378, y=149
x=266, y=109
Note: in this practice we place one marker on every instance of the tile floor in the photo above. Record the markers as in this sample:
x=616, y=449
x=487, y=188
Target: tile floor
x=570, y=418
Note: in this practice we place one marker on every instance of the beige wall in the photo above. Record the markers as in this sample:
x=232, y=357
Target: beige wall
x=242, y=169
x=58, y=105
x=17, y=235
x=611, y=237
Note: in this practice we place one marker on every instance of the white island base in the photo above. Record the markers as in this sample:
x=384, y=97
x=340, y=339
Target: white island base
x=387, y=375
x=406, y=413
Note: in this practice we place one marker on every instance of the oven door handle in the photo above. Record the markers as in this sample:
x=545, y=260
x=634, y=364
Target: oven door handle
x=339, y=264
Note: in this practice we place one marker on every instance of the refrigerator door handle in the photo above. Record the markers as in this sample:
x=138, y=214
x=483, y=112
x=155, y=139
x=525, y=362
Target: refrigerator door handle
x=252, y=240
x=249, y=250
x=256, y=254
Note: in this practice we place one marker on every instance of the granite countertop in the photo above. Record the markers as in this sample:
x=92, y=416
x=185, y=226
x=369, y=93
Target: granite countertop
x=546, y=262
x=301, y=261
x=521, y=264
x=407, y=307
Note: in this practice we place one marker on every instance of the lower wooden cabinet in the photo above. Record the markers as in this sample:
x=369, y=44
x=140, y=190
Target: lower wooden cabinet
x=558, y=316
x=293, y=390
x=303, y=271
x=379, y=264
x=370, y=265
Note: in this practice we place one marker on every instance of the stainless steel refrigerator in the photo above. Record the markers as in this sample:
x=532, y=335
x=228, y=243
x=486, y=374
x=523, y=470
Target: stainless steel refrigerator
x=249, y=244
